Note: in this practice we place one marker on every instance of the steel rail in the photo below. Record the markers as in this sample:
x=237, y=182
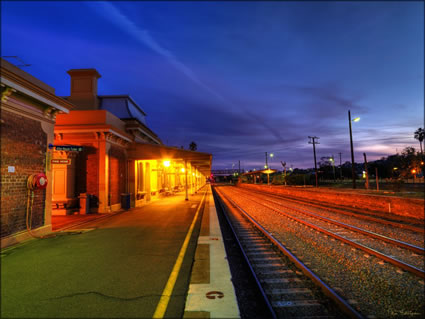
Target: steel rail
x=393, y=241
x=341, y=210
x=260, y=287
x=328, y=291
x=396, y=262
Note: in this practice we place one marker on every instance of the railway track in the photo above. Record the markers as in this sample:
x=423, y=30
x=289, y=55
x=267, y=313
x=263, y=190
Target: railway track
x=290, y=288
x=379, y=217
x=352, y=238
x=375, y=288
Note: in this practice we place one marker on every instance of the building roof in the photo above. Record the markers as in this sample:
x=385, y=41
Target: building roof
x=202, y=161
x=121, y=96
x=135, y=124
x=12, y=68
x=28, y=85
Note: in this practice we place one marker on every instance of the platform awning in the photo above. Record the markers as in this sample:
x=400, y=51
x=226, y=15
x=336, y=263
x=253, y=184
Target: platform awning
x=264, y=171
x=202, y=161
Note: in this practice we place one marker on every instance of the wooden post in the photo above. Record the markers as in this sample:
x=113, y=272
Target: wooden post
x=377, y=179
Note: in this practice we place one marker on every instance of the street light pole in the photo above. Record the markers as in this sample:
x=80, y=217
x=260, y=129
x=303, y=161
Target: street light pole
x=267, y=166
x=352, y=152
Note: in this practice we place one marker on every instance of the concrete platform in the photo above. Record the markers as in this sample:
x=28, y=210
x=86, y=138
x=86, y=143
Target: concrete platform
x=211, y=292
x=129, y=265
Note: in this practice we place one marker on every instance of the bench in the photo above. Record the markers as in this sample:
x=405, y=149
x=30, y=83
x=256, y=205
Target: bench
x=165, y=192
x=140, y=195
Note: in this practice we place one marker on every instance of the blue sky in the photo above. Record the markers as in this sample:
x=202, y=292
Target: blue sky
x=241, y=78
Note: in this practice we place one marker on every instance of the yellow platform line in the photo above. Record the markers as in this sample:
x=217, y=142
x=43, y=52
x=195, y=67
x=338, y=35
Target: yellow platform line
x=166, y=294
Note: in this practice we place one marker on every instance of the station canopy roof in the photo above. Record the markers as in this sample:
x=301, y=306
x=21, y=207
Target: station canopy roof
x=202, y=161
x=264, y=171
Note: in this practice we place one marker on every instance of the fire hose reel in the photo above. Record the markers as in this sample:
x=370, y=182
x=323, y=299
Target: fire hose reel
x=37, y=181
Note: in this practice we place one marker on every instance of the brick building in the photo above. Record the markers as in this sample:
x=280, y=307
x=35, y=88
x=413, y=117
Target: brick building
x=28, y=111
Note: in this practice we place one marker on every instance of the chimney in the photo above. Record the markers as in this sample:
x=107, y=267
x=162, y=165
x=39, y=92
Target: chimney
x=84, y=88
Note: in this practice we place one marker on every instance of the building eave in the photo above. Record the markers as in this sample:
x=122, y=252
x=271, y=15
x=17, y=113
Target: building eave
x=35, y=92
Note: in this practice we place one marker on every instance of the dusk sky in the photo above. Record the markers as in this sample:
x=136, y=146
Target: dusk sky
x=241, y=78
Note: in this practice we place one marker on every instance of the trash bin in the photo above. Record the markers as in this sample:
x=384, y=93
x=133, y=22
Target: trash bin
x=84, y=203
x=125, y=201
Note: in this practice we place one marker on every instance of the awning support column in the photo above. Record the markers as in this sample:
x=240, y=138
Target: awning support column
x=185, y=173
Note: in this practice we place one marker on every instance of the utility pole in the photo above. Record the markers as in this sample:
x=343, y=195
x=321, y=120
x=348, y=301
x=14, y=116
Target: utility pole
x=333, y=167
x=284, y=166
x=312, y=141
x=340, y=165
x=239, y=171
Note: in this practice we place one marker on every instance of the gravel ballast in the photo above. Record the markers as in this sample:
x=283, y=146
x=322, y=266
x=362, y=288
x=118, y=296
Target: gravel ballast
x=375, y=288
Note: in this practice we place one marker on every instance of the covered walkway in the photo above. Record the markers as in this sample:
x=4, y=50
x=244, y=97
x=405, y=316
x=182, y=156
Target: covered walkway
x=158, y=170
x=255, y=176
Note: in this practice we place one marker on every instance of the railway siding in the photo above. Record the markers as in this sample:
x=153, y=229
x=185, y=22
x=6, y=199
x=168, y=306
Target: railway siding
x=406, y=207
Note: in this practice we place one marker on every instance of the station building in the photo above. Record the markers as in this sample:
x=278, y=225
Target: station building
x=29, y=109
x=121, y=154
x=99, y=155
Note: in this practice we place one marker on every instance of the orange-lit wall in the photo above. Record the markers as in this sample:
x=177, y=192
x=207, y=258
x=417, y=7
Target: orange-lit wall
x=23, y=146
x=117, y=174
x=400, y=206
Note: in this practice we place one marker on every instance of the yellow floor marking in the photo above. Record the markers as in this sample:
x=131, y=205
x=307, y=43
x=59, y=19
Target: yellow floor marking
x=166, y=294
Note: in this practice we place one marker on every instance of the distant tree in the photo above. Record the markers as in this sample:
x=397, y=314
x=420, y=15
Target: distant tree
x=193, y=146
x=325, y=166
x=420, y=135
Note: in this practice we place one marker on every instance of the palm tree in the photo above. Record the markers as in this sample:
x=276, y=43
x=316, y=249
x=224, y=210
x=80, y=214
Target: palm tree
x=420, y=135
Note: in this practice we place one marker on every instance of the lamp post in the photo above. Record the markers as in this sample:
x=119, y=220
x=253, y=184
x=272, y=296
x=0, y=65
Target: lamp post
x=267, y=165
x=353, y=171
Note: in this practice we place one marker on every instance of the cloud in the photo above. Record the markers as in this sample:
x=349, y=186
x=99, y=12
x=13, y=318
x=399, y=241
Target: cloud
x=113, y=14
x=330, y=96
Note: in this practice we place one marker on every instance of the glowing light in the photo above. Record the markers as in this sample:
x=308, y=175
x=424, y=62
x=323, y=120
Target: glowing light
x=395, y=168
x=193, y=174
x=166, y=163
x=356, y=119
x=413, y=171
x=422, y=163
x=265, y=166
x=271, y=154
x=182, y=170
